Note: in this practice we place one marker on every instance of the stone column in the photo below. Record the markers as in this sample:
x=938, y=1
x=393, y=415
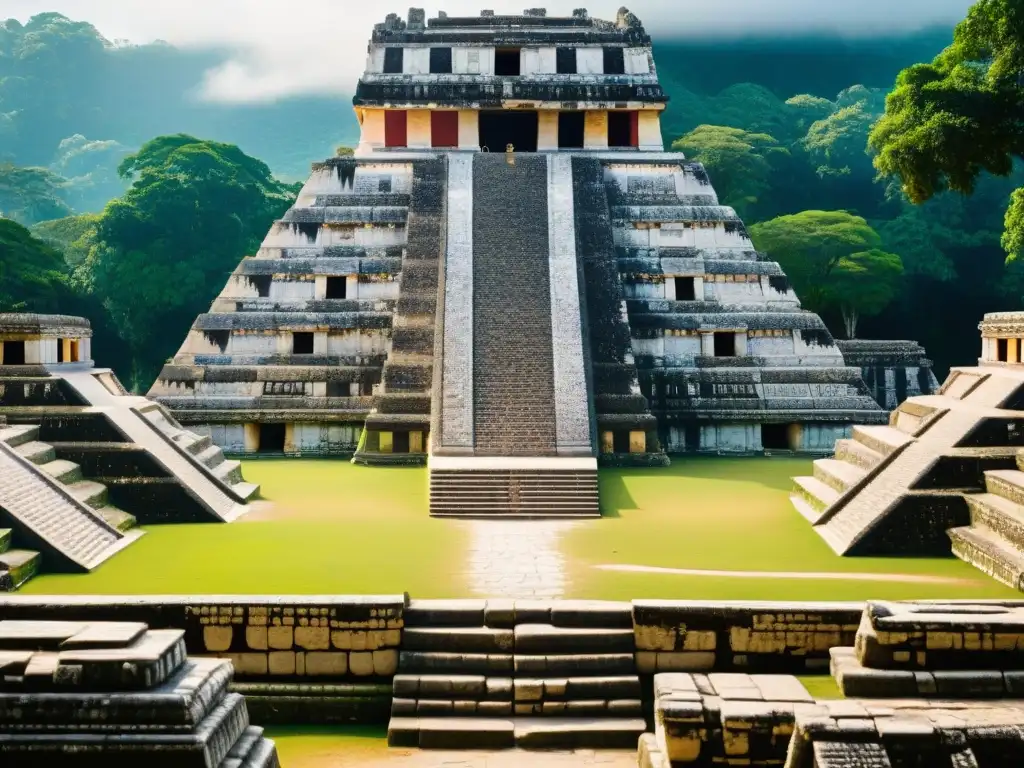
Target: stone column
x=469, y=129
x=707, y=344
x=252, y=437
x=547, y=129
x=1013, y=350
x=595, y=129
x=670, y=288
x=741, y=343
x=418, y=127
x=637, y=441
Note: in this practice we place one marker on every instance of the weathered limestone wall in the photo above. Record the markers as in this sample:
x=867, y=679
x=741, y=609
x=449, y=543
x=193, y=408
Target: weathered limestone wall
x=457, y=387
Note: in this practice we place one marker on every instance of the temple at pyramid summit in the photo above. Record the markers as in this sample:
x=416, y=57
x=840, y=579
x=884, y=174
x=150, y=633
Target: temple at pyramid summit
x=512, y=281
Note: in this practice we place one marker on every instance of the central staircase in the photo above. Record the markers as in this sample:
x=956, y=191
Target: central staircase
x=498, y=674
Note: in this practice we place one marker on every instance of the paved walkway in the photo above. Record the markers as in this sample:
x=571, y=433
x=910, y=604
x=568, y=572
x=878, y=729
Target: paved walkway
x=511, y=758
x=517, y=558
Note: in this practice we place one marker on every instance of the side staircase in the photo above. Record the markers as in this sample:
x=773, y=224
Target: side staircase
x=51, y=513
x=498, y=674
x=898, y=489
x=994, y=541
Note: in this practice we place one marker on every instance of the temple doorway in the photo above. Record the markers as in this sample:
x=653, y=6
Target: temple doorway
x=13, y=353
x=499, y=128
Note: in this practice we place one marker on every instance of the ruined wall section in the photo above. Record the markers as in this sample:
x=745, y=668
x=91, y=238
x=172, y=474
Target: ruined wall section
x=300, y=334
x=721, y=343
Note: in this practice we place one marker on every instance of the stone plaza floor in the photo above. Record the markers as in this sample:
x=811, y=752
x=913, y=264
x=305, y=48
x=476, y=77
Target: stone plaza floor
x=705, y=528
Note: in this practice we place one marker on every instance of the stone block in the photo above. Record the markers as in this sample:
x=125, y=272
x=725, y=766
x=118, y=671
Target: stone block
x=256, y=638
x=281, y=638
x=245, y=664
x=281, y=662
x=360, y=663
x=313, y=638
x=686, y=661
x=326, y=663
x=385, y=662
x=217, y=639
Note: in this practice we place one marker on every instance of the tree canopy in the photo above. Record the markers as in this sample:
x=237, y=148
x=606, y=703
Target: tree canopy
x=740, y=162
x=30, y=195
x=834, y=259
x=32, y=275
x=164, y=249
x=948, y=122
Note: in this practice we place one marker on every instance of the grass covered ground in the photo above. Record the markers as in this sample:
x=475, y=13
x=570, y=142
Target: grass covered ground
x=335, y=528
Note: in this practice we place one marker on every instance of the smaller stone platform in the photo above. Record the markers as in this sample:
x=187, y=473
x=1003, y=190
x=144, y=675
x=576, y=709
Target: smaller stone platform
x=119, y=694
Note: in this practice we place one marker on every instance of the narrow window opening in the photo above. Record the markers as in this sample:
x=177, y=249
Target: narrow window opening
x=60, y=350
x=14, y=353
x=302, y=343
x=338, y=389
x=444, y=128
x=396, y=130
x=565, y=61
x=337, y=287
x=621, y=129
x=401, y=442
x=775, y=437
x=725, y=345
x=440, y=61
x=507, y=62
x=570, y=130
x=1002, y=350
x=394, y=59
x=686, y=289
x=614, y=61
x=271, y=438
x=620, y=441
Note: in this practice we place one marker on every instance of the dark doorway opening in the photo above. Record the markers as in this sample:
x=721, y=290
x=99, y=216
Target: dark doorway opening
x=14, y=353
x=302, y=343
x=614, y=61
x=775, y=437
x=60, y=350
x=620, y=441
x=440, y=61
x=686, y=289
x=400, y=442
x=444, y=129
x=272, y=438
x=396, y=128
x=506, y=62
x=570, y=130
x=1002, y=350
x=394, y=60
x=500, y=128
x=623, y=129
x=565, y=61
x=337, y=287
x=725, y=345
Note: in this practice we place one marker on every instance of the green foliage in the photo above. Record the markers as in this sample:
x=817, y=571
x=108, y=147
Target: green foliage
x=838, y=142
x=863, y=284
x=74, y=236
x=740, y=162
x=32, y=275
x=30, y=195
x=165, y=249
x=823, y=251
x=344, y=151
x=952, y=120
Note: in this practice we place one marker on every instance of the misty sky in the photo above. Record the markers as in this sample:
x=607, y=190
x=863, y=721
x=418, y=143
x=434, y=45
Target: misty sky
x=289, y=47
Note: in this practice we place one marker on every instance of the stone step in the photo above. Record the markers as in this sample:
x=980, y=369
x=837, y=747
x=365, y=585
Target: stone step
x=473, y=708
x=429, y=662
x=117, y=518
x=16, y=567
x=1007, y=483
x=506, y=613
x=522, y=732
x=212, y=456
x=508, y=513
x=228, y=471
x=857, y=453
x=36, y=452
x=545, y=639
x=837, y=474
x=1020, y=460
x=807, y=510
x=817, y=494
x=67, y=472
x=881, y=439
x=193, y=443
x=445, y=613
x=989, y=553
x=90, y=493
x=458, y=640
x=999, y=515
x=453, y=687
x=19, y=435
x=5, y=539
x=616, y=688
x=574, y=665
